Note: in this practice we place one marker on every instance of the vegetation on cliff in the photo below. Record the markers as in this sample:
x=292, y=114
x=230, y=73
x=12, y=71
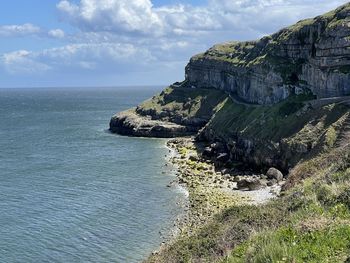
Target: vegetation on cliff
x=182, y=105
x=278, y=135
x=176, y=111
x=269, y=49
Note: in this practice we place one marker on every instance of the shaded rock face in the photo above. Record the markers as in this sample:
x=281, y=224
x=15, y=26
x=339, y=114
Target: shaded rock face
x=313, y=54
x=250, y=86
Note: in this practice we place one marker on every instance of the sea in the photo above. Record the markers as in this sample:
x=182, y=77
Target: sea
x=70, y=191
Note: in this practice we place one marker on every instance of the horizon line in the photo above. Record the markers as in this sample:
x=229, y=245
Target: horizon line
x=96, y=86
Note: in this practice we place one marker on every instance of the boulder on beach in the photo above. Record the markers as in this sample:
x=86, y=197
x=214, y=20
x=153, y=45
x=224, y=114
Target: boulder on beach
x=274, y=173
x=251, y=184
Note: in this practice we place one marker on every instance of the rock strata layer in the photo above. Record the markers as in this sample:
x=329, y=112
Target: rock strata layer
x=312, y=55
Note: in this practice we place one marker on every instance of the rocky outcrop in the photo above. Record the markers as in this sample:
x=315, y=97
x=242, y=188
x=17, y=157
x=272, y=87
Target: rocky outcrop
x=131, y=124
x=176, y=111
x=313, y=54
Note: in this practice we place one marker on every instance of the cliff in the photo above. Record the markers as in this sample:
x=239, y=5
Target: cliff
x=267, y=101
x=313, y=55
x=279, y=102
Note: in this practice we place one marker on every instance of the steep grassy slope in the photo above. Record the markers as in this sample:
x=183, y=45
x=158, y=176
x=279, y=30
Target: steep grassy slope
x=318, y=225
x=278, y=135
x=183, y=105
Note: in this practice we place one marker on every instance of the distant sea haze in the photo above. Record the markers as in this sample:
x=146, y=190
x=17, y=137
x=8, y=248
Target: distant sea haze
x=72, y=192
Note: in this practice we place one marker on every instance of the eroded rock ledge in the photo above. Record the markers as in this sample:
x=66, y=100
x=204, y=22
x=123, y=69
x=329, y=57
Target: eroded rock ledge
x=132, y=124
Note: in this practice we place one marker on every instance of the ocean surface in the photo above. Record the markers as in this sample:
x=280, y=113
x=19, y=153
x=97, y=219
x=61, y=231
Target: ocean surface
x=72, y=192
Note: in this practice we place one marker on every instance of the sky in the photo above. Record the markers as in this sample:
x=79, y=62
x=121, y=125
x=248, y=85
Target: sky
x=65, y=43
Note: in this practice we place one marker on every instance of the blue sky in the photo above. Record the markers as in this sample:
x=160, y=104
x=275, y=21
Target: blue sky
x=55, y=43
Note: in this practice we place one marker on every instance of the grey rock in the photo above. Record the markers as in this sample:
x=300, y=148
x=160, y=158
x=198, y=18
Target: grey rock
x=273, y=173
x=250, y=184
x=225, y=171
x=270, y=183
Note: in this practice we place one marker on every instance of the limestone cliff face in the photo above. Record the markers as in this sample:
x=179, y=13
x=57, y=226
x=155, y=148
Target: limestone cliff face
x=313, y=54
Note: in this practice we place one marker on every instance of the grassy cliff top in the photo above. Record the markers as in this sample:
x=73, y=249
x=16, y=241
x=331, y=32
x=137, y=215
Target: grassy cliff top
x=305, y=33
x=179, y=103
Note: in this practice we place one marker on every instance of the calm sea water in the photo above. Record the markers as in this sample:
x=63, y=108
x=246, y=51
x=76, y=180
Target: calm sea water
x=72, y=192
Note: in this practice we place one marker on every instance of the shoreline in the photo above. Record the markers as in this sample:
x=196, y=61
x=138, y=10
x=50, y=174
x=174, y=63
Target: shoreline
x=207, y=191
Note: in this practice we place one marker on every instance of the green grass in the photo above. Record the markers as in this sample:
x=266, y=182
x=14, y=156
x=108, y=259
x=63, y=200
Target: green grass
x=288, y=244
x=286, y=122
x=181, y=104
x=217, y=238
x=268, y=122
x=318, y=227
x=317, y=231
x=301, y=226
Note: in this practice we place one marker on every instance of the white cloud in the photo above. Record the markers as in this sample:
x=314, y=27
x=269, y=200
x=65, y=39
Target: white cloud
x=240, y=18
x=101, y=56
x=28, y=29
x=56, y=33
x=112, y=15
x=22, y=62
x=18, y=30
x=98, y=52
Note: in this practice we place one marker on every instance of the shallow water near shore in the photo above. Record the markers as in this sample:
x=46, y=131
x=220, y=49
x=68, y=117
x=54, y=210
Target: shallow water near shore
x=72, y=192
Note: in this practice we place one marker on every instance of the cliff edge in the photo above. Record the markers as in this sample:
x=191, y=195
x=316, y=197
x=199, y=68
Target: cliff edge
x=312, y=55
